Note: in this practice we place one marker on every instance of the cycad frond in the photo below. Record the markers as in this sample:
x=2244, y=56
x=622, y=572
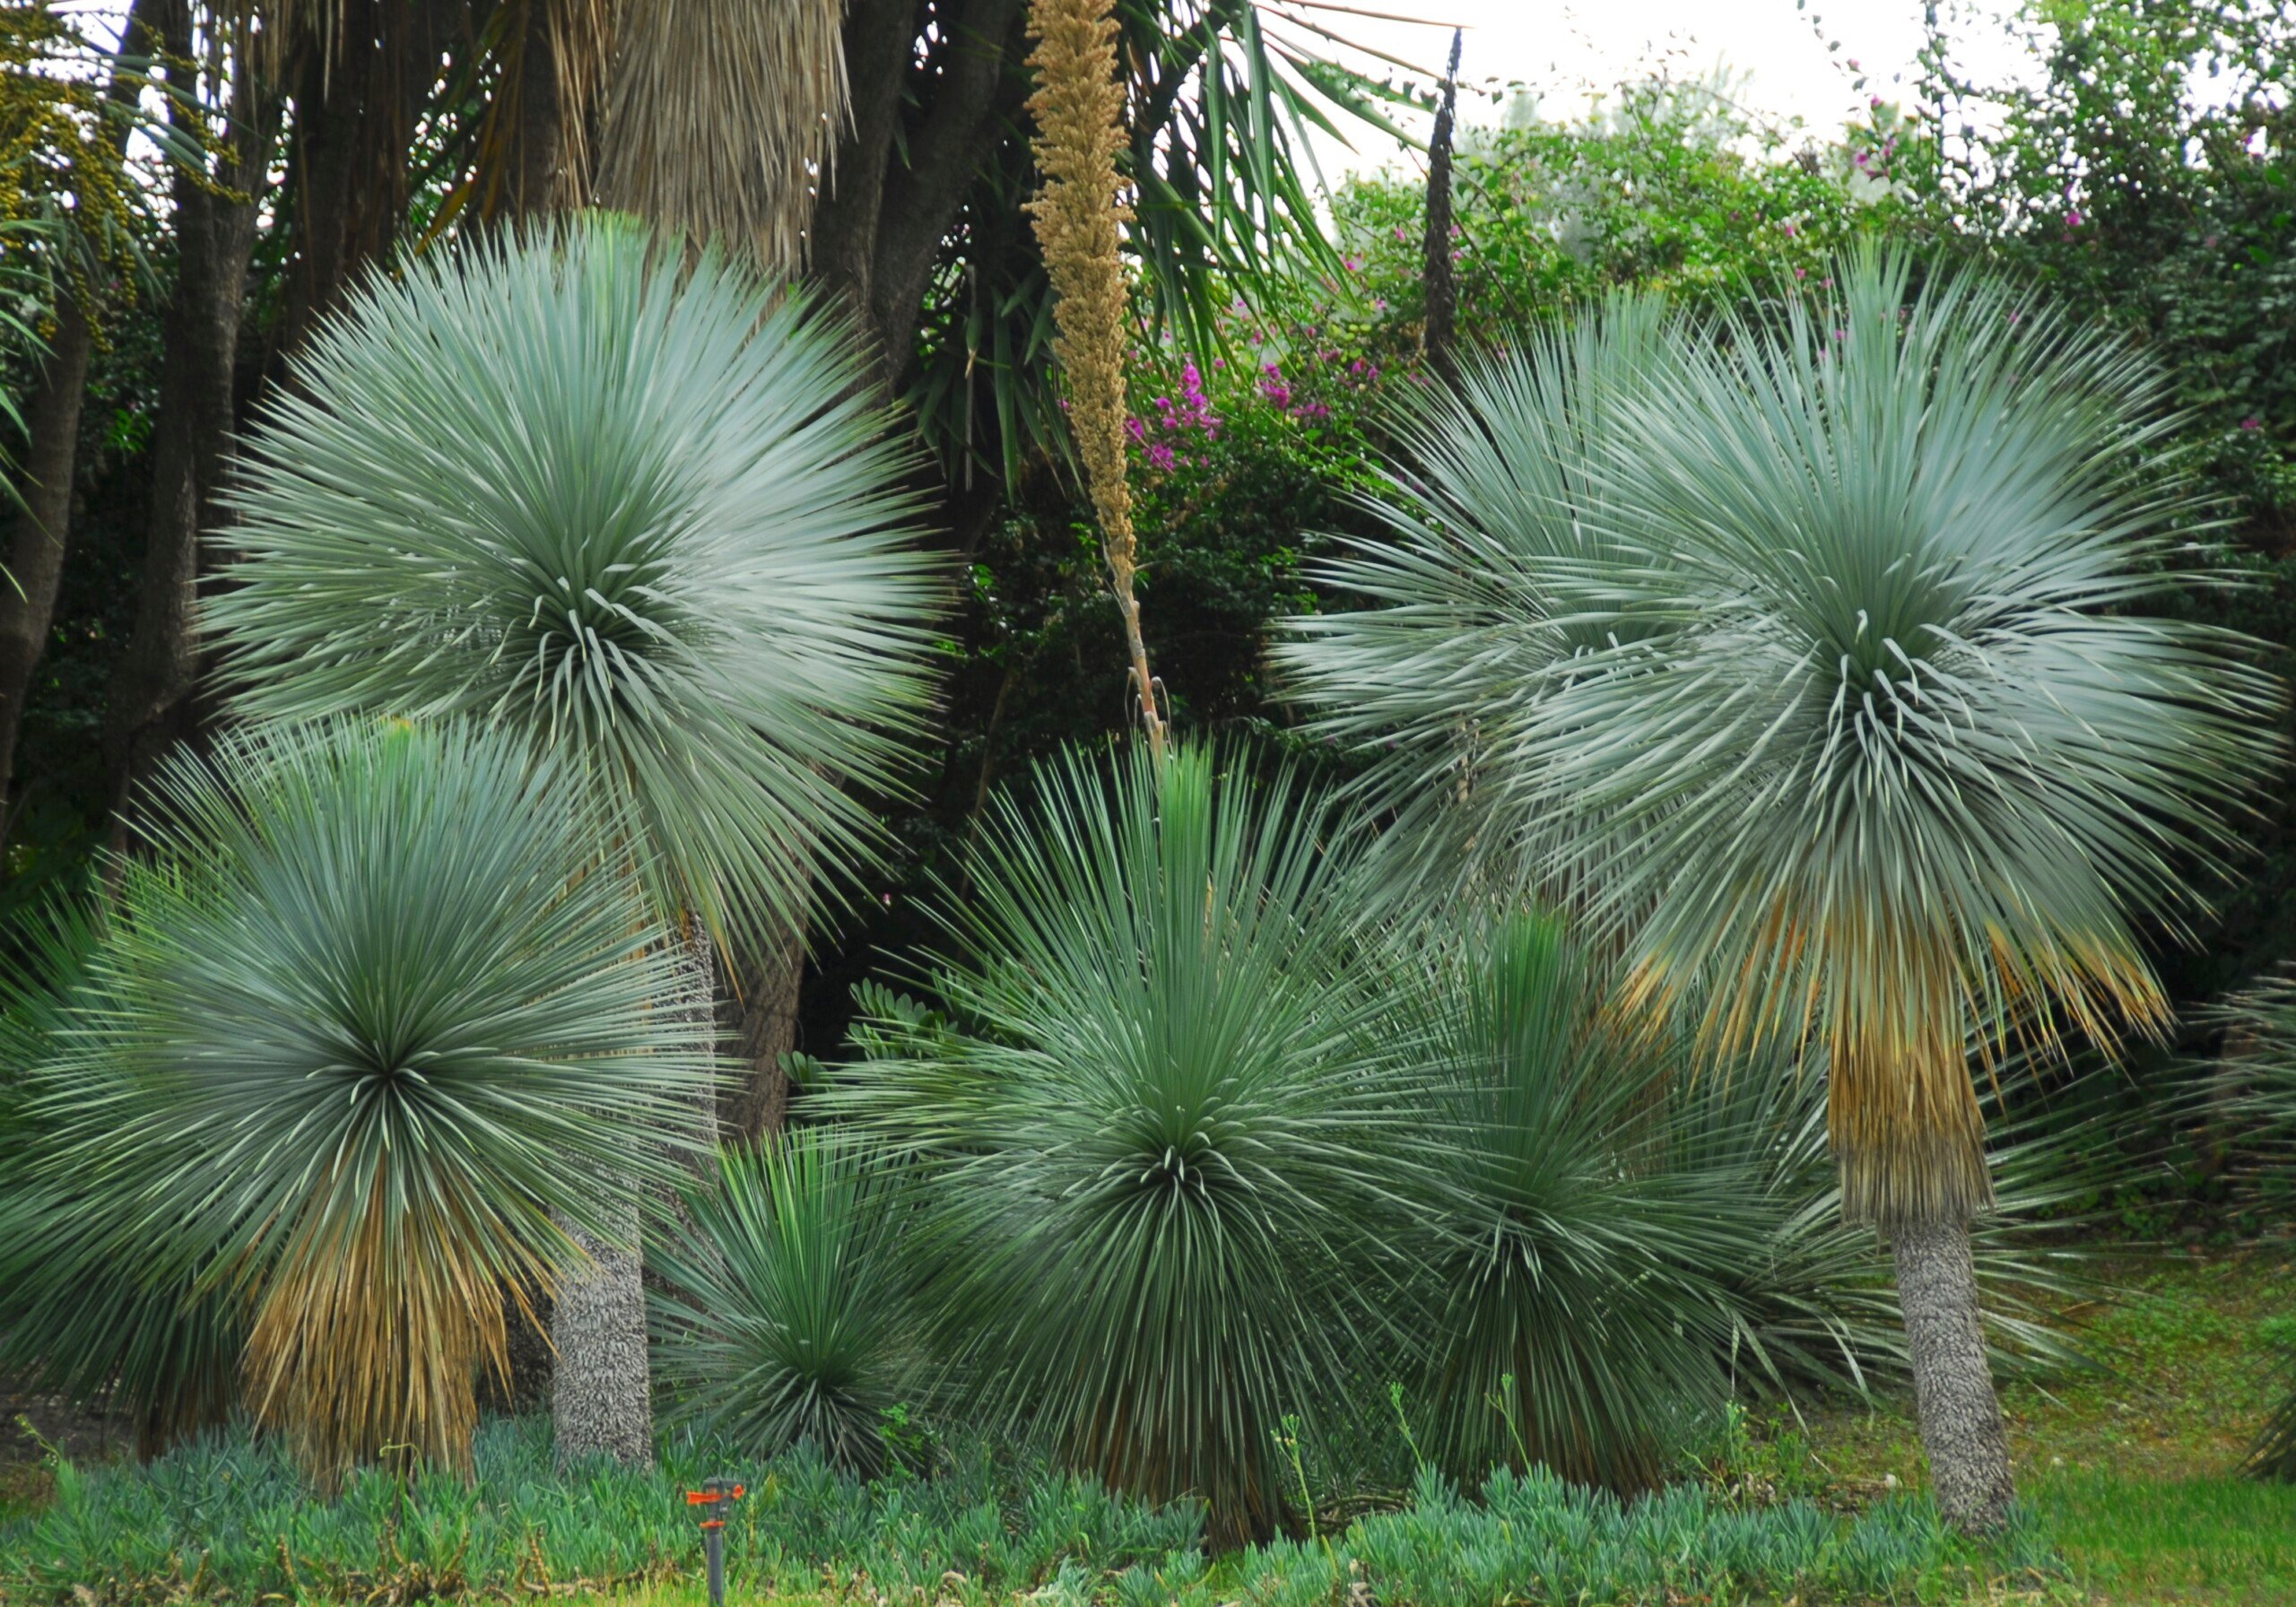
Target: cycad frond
x=634, y=510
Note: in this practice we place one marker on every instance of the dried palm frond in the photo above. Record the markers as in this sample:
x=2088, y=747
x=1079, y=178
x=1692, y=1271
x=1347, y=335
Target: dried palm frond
x=720, y=117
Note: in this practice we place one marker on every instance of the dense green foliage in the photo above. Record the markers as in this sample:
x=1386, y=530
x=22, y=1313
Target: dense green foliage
x=785, y=1310
x=227, y=1518
x=350, y=1055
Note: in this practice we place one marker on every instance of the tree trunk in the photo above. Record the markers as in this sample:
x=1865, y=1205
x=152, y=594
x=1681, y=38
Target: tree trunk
x=151, y=703
x=43, y=530
x=903, y=169
x=758, y=1106
x=44, y=522
x=600, y=1399
x=1960, y=1416
x=600, y=1392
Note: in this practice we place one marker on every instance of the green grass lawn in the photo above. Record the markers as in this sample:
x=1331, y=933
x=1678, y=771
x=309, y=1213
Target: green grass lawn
x=2135, y=1468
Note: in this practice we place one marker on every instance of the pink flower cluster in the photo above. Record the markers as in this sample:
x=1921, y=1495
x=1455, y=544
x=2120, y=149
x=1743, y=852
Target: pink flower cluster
x=1179, y=421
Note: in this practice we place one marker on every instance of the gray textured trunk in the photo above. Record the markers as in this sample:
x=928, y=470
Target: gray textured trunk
x=601, y=1389
x=601, y=1401
x=1960, y=1416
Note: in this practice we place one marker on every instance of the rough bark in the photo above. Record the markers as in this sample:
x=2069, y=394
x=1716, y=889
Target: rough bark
x=902, y=171
x=1960, y=1416
x=764, y=1029
x=151, y=705
x=600, y=1399
x=43, y=522
x=600, y=1387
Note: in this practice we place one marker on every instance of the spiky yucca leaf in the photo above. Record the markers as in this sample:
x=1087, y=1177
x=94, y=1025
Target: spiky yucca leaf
x=786, y=1312
x=1566, y=1250
x=1150, y=1128
x=635, y=510
x=78, y=1314
x=354, y=1050
x=1495, y=528
x=1884, y=749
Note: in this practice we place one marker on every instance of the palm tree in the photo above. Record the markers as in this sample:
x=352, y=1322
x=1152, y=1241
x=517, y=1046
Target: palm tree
x=1846, y=724
x=351, y=1048
x=634, y=510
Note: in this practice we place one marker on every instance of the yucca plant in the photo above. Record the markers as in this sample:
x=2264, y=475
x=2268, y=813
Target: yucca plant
x=1883, y=751
x=1151, y=1132
x=2259, y=1064
x=786, y=1315
x=77, y=1316
x=1573, y=1314
x=1501, y=514
x=354, y=1056
x=636, y=509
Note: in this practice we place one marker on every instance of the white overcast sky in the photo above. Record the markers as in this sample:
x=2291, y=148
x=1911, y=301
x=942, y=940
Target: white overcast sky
x=1777, y=50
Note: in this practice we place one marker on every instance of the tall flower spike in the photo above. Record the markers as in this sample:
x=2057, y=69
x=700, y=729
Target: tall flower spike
x=1079, y=109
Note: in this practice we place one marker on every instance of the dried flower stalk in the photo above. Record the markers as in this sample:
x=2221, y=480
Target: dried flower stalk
x=1079, y=111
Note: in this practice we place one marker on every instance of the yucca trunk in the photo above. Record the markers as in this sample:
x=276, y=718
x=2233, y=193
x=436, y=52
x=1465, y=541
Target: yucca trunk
x=601, y=1388
x=1952, y=1382
x=600, y=1401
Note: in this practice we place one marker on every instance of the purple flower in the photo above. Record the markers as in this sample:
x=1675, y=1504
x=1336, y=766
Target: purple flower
x=2073, y=219
x=2252, y=422
x=1159, y=457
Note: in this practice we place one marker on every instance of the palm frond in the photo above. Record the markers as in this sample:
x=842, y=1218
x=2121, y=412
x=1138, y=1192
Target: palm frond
x=638, y=512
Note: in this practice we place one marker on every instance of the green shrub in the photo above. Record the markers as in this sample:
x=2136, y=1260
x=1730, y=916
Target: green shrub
x=229, y=1519
x=785, y=1311
x=1150, y=1134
